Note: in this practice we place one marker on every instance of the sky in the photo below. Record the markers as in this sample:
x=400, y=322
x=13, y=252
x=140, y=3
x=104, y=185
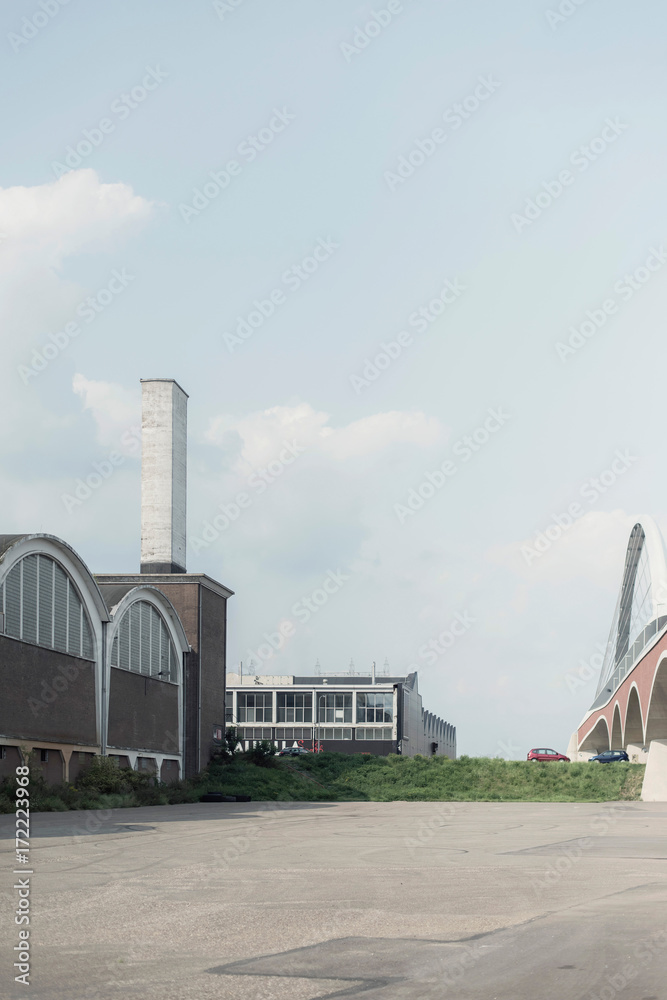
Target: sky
x=406, y=260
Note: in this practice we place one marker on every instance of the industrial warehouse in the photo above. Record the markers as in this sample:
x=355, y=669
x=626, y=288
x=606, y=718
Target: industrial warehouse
x=130, y=666
x=133, y=666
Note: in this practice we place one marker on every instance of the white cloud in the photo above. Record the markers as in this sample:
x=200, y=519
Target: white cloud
x=258, y=437
x=381, y=430
x=592, y=548
x=114, y=409
x=45, y=443
x=44, y=224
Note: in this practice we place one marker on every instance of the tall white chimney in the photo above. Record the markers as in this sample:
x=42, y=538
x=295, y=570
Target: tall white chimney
x=164, y=419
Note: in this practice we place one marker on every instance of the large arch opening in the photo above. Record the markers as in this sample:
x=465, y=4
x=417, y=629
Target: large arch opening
x=616, y=730
x=42, y=605
x=598, y=738
x=142, y=643
x=634, y=727
x=656, y=718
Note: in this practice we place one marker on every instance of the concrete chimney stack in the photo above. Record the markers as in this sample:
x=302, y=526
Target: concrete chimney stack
x=164, y=420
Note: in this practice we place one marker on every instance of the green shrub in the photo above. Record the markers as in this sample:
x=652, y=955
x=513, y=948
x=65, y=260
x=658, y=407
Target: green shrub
x=52, y=803
x=262, y=754
x=104, y=775
x=228, y=749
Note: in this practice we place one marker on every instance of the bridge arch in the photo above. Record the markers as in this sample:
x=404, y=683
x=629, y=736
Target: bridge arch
x=598, y=739
x=656, y=717
x=616, y=730
x=634, y=725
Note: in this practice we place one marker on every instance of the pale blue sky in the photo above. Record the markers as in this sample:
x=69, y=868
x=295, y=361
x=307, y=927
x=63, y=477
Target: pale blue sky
x=323, y=178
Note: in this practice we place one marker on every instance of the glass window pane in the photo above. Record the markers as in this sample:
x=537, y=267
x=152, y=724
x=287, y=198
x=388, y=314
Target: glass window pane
x=87, y=638
x=29, y=606
x=124, y=643
x=45, y=601
x=135, y=638
x=74, y=624
x=145, y=637
x=60, y=608
x=13, y=602
x=155, y=622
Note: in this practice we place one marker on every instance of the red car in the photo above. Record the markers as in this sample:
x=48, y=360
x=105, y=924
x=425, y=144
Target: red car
x=546, y=755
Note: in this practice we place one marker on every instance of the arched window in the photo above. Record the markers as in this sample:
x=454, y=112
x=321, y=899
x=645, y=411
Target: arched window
x=42, y=605
x=143, y=645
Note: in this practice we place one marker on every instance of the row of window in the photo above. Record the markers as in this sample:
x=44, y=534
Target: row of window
x=42, y=605
x=143, y=645
x=373, y=734
x=294, y=734
x=321, y=733
x=333, y=734
x=372, y=706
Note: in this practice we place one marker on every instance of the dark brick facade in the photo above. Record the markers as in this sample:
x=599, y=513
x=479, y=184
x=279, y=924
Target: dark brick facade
x=46, y=695
x=51, y=762
x=143, y=713
x=79, y=761
x=213, y=645
x=10, y=759
x=169, y=772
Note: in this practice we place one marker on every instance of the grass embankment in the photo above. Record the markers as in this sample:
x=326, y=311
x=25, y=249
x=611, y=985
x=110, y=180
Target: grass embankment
x=476, y=779
x=330, y=777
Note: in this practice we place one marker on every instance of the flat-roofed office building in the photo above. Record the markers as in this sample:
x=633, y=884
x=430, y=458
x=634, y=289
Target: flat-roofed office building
x=342, y=712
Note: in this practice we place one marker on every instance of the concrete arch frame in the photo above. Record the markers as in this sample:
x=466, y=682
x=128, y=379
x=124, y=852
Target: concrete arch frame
x=166, y=610
x=17, y=547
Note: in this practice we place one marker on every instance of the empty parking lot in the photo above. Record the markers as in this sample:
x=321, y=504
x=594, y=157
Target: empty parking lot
x=392, y=900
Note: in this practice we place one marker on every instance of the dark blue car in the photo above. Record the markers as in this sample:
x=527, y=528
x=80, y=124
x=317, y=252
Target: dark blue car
x=609, y=756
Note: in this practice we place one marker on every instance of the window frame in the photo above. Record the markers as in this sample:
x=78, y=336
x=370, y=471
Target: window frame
x=326, y=714
x=305, y=708
x=242, y=709
x=375, y=708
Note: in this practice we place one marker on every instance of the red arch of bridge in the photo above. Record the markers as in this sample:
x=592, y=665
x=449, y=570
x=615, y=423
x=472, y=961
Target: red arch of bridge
x=636, y=712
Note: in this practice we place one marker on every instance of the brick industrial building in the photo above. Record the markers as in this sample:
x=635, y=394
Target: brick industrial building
x=127, y=665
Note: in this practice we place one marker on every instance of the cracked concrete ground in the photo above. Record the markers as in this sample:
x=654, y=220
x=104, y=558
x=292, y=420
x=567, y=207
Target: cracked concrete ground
x=400, y=900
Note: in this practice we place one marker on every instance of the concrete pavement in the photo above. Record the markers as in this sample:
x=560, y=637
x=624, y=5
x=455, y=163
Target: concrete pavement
x=400, y=900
